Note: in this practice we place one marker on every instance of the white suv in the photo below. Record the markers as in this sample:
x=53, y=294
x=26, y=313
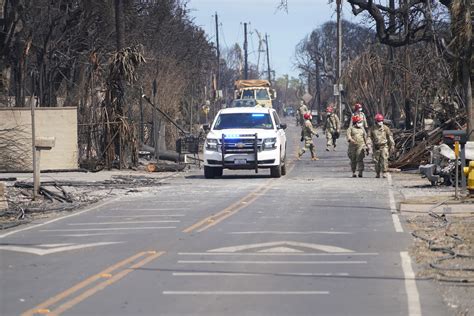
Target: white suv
x=245, y=138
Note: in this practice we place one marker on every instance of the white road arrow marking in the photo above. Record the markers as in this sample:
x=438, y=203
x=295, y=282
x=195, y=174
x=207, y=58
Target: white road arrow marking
x=61, y=248
x=280, y=249
x=286, y=244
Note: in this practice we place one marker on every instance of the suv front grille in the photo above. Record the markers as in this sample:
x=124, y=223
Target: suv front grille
x=241, y=145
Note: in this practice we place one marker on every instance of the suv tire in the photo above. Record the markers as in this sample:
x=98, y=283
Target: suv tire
x=275, y=172
x=209, y=172
x=283, y=167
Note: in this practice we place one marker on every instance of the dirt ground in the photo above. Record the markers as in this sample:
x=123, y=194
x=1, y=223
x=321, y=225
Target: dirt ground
x=442, y=228
x=443, y=238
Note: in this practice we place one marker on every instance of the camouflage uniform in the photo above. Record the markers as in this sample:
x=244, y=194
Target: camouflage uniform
x=382, y=141
x=301, y=111
x=307, y=132
x=331, y=126
x=357, y=138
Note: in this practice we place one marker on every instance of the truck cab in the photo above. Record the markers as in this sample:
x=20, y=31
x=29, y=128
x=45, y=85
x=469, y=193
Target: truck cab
x=259, y=90
x=245, y=138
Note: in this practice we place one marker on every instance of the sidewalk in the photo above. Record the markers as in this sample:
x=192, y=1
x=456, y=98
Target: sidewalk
x=443, y=230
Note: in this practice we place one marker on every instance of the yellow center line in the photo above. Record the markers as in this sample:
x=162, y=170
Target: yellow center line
x=107, y=273
x=228, y=211
x=251, y=198
x=216, y=218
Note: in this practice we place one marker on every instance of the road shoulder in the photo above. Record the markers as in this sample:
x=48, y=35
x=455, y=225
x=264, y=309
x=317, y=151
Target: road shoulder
x=443, y=237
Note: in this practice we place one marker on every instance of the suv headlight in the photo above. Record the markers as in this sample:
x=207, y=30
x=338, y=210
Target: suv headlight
x=269, y=143
x=211, y=144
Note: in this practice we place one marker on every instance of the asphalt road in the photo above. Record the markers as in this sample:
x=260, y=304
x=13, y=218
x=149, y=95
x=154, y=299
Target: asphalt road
x=315, y=242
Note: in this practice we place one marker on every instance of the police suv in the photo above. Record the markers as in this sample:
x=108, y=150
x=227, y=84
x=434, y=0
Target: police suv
x=245, y=138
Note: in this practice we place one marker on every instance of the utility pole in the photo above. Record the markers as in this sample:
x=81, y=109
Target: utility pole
x=339, y=51
x=36, y=171
x=246, y=66
x=218, y=55
x=269, y=73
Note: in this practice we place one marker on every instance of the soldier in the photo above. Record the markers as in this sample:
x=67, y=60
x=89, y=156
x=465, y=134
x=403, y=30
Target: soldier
x=332, y=128
x=382, y=142
x=301, y=111
x=307, y=132
x=359, y=112
x=358, y=148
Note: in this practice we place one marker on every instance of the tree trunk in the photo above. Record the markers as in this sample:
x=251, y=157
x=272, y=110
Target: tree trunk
x=4, y=83
x=119, y=24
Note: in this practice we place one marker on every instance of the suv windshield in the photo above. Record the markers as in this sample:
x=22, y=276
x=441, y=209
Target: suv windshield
x=243, y=120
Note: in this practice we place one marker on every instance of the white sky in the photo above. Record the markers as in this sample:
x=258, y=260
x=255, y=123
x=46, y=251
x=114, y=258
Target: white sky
x=285, y=30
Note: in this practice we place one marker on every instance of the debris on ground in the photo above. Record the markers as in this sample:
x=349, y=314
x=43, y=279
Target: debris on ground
x=59, y=196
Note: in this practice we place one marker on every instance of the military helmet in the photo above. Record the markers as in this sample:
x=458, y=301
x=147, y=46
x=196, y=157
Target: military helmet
x=356, y=119
x=378, y=117
x=357, y=106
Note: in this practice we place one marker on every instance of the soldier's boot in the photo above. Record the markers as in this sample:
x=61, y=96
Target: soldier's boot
x=354, y=175
x=360, y=174
x=300, y=153
x=384, y=175
x=327, y=148
x=377, y=175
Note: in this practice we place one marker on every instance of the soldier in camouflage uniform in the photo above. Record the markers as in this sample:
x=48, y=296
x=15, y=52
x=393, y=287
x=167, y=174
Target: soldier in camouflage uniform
x=332, y=128
x=302, y=110
x=359, y=112
x=382, y=142
x=307, y=132
x=358, y=148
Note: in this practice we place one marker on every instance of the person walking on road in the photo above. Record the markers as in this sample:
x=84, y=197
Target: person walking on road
x=302, y=110
x=332, y=128
x=307, y=132
x=358, y=148
x=358, y=111
x=382, y=143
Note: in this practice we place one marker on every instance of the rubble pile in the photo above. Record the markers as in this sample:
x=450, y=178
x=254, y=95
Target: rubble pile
x=412, y=146
x=65, y=196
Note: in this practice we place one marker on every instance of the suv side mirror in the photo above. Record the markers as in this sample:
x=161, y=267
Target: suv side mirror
x=283, y=125
x=206, y=127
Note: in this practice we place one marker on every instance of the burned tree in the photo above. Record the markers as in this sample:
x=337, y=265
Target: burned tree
x=412, y=22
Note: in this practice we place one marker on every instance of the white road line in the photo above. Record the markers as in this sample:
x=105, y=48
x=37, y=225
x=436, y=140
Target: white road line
x=59, y=218
x=414, y=306
x=290, y=233
x=90, y=235
x=120, y=223
x=159, y=201
x=140, y=216
x=255, y=274
x=104, y=229
x=149, y=209
x=274, y=254
x=393, y=208
x=245, y=292
x=269, y=262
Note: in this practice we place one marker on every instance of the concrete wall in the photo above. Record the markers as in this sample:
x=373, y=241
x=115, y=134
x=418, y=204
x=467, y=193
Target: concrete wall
x=60, y=123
